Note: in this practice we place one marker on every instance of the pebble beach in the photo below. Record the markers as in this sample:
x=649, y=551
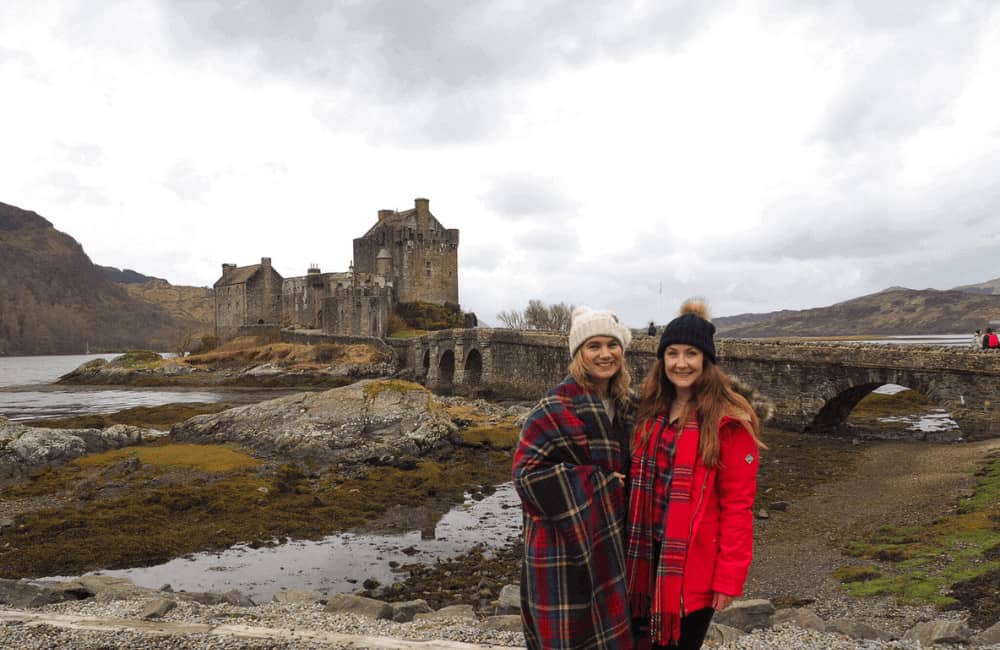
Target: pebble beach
x=78, y=625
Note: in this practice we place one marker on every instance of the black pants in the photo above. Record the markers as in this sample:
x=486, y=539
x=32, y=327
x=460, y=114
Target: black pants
x=694, y=627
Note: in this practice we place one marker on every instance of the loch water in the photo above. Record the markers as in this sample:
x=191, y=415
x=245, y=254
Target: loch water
x=27, y=390
x=337, y=563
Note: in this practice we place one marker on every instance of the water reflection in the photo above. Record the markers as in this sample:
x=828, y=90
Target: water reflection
x=339, y=563
x=29, y=405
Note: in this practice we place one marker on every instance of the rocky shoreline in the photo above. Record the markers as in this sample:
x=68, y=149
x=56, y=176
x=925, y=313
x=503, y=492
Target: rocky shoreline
x=100, y=612
x=245, y=364
x=363, y=430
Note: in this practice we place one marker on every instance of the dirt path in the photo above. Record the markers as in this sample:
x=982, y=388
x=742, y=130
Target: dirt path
x=892, y=483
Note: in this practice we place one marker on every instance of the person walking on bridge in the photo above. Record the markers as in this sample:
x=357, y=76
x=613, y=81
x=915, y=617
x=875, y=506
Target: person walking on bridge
x=570, y=471
x=693, y=479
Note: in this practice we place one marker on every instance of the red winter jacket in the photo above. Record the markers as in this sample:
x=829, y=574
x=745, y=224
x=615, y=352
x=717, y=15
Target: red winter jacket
x=721, y=545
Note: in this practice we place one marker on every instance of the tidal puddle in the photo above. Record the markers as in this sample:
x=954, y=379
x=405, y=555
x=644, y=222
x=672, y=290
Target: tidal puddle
x=342, y=562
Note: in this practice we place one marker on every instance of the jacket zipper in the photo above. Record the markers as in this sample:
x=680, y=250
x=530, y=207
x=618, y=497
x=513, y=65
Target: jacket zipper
x=694, y=515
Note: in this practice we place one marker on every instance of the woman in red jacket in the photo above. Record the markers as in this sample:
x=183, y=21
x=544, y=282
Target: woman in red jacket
x=692, y=484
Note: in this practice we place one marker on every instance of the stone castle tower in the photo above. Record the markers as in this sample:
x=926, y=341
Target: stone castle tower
x=405, y=257
x=413, y=252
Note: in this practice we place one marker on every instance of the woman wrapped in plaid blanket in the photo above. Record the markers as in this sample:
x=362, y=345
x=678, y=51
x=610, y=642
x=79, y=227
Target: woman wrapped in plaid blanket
x=693, y=479
x=569, y=470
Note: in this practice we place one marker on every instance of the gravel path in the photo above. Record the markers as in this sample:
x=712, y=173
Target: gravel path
x=894, y=483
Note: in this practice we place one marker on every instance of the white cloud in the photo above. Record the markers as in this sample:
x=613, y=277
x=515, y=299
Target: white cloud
x=788, y=155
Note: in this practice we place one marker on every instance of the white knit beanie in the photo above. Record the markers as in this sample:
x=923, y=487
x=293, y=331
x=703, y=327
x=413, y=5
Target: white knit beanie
x=587, y=322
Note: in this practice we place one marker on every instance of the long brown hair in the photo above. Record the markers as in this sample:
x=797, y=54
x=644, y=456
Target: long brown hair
x=618, y=388
x=714, y=397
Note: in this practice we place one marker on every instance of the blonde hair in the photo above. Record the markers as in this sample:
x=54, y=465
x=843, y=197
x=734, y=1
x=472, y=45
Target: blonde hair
x=618, y=388
x=714, y=398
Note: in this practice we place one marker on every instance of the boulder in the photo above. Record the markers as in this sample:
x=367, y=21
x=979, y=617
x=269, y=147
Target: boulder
x=509, y=601
x=24, y=594
x=351, y=604
x=297, y=596
x=231, y=597
x=990, y=635
x=157, y=607
x=719, y=634
x=747, y=615
x=939, y=631
x=451, y=611
x=379, y=421
x=109, y=588
x=24, y=449
x=856, y=630
x=800, y=617
x=404, y=612
x=508, y=623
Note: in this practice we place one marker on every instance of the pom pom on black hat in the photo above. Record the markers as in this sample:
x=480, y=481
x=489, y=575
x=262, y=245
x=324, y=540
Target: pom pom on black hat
x=692, y=327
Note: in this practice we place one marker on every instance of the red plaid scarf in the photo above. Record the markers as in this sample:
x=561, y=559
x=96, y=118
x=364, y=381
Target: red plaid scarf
x=661, y=480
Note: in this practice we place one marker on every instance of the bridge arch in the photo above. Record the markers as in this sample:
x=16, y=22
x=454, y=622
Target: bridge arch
x=834, y=415
x=473, y=370
x=446, y=372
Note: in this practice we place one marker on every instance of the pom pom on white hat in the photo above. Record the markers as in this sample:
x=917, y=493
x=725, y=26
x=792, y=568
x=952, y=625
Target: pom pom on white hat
x=587, y=322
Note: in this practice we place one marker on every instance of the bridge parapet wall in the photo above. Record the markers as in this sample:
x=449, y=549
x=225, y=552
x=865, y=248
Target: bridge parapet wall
x=911, y=357
x=814, y=386
x=516, y=364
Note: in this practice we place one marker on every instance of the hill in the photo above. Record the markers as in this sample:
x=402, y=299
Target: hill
x=124, y=276
x=193, y=308
x=893, y=311
x=54, y=300
x=990, y=287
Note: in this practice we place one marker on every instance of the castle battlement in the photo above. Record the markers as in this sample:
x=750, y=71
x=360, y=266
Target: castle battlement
x=404, y=257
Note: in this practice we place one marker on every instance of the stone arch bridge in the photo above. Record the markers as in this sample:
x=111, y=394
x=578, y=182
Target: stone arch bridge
x=814, y=386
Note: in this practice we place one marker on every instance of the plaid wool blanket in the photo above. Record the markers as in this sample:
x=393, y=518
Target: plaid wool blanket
x=573, y=592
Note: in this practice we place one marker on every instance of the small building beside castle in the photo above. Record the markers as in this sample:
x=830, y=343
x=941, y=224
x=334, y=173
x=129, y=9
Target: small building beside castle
x=405, y=257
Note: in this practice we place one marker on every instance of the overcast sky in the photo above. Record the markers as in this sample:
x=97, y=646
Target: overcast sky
x=627, y=155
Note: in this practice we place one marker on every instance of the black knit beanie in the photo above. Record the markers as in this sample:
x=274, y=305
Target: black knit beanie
x=689, y=329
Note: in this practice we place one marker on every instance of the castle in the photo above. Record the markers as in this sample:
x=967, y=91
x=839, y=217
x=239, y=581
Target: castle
x=405, y=257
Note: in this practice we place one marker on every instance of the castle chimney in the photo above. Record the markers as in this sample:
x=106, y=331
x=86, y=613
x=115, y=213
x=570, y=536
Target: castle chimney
x=383, y=214
x=313, y=269
x=423, y=207
x=265, y=262
x=227, y=267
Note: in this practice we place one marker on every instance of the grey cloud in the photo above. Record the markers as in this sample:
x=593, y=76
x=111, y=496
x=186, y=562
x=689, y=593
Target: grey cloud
x=8, y=55
x=522, y=196
x=440, y=66
x=187, y=182
x=453, y=117
x=548, y=243
x=430, y=44
x=83, y=154
x=480, y=256
x=908, y=62
x=70, y=189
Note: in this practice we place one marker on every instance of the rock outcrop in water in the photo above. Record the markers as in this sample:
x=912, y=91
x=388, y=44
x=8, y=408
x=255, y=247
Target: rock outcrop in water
x=376, y=421
x=25, y=450
x=277, y=365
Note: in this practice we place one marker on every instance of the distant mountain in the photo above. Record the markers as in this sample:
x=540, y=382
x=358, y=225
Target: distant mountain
x=893, y=311
x=990, y=287
x=192, y=307
x=54, y=300
x=124, y=276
